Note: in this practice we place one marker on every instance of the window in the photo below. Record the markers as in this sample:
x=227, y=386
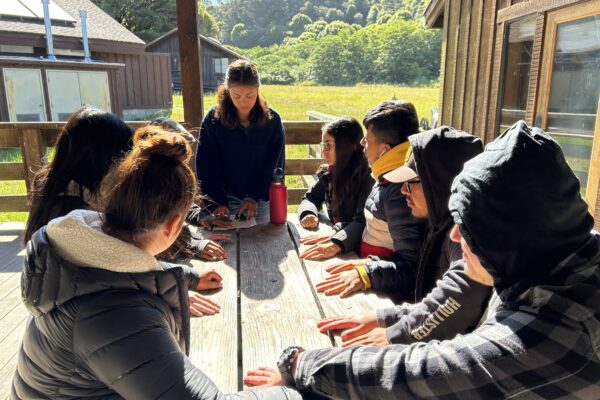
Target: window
x=517, y=67
x=221, y=65
x=568, y=100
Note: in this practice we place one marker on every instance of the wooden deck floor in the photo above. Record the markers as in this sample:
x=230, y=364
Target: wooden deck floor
x=13, y=314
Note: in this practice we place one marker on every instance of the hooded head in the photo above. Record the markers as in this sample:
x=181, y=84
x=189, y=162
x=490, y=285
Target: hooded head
x=437, y=157
x=519, y=208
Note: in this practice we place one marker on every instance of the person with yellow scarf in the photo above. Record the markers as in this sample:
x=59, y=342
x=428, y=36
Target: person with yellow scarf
x=391, y=237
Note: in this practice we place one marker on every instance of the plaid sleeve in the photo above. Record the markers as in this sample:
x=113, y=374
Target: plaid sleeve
x=514, y=354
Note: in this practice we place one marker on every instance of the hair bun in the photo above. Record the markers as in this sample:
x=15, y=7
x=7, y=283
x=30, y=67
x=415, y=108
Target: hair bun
x=167, y=144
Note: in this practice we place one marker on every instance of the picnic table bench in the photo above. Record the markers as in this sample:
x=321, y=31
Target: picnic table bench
x=268, y=302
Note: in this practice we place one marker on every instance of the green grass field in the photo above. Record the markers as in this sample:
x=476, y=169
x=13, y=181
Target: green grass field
x=292, y=103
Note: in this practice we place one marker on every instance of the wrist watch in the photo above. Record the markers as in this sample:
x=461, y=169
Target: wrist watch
x=285, y=363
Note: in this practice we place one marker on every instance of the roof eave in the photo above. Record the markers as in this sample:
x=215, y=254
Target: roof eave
x=434, y=14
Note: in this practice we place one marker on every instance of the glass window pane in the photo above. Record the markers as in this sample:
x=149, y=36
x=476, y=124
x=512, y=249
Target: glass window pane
x=574, y=91
x=517, y=66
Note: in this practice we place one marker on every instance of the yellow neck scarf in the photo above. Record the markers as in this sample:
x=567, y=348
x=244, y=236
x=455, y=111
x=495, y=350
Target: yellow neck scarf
x=392, y=159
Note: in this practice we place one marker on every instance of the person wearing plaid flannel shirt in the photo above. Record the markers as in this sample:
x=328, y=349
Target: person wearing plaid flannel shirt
x=522, y=223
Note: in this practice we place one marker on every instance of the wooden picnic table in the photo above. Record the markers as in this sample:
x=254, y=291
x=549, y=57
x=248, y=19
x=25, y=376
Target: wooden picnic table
x=268, y=302
x=277, y=305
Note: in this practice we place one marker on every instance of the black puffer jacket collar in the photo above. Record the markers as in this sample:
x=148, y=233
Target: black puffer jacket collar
x=49, y=281
x=518, y=206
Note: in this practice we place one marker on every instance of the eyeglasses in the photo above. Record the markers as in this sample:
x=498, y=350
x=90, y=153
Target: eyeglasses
x=408, y=183
x=326, y=145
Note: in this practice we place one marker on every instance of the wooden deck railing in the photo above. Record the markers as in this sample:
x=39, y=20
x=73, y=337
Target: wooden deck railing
x=33, y=139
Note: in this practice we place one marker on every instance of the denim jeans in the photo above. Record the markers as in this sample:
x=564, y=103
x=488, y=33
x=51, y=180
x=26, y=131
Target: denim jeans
x=262, y=209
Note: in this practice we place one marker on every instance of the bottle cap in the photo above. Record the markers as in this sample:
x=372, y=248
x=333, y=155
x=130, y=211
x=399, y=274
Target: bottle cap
x=278, y=175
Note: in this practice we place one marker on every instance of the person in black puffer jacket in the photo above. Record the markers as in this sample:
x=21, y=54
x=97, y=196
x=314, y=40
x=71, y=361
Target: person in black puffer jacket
x=344, y=181
x=109, y=320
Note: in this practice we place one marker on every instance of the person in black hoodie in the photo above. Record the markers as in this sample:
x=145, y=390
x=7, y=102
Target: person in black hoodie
x=521, y=222
x=109, y=320
x=457, y=302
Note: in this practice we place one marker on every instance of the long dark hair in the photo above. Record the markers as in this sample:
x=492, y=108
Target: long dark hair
x=240, y=73
x=350, y=166
x=87, y=146
x=152, y=184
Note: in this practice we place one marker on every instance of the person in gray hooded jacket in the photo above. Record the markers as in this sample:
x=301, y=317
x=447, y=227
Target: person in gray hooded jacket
x=521, y=222
x=108, y=319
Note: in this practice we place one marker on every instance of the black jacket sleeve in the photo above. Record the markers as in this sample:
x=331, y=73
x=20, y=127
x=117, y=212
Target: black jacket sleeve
x=350, y=235
x=134, y=352
x=454, y=306
x=208, y=163
x=313, y=200
x=399, y=275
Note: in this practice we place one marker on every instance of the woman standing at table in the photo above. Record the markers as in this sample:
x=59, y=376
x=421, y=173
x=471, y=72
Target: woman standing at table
x=241, y=143
x=344, y=181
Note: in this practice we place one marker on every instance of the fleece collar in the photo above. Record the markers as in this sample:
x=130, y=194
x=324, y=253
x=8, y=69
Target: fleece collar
x=79, y=239
x=394, y=158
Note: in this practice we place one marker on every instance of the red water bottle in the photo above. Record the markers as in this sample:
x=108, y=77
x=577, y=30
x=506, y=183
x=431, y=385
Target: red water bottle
x=278, y=198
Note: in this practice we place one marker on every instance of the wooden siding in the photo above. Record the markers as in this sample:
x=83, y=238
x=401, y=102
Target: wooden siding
x=208, y=53
x=472, y=58
x=144, y=83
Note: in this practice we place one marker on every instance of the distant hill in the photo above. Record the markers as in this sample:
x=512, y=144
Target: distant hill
x=247, y=24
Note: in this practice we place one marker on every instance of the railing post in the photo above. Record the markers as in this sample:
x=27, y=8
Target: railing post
x=33, y=150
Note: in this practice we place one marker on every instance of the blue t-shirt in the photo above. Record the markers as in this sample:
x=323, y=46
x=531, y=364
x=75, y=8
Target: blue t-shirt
x=239, y=162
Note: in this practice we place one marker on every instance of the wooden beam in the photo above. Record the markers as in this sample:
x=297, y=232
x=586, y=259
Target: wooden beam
x=33, y=150
x=191, y=66
x=13, y=203
x=302, y=166
x=534, y=75
x=11, y=171
x=532, y=6
x=303, y=132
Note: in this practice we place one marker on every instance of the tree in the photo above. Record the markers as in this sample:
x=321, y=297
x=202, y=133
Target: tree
x=298, y=23
x=207, y=24
x=373, y=15
x=239, y=35
x=148, y=22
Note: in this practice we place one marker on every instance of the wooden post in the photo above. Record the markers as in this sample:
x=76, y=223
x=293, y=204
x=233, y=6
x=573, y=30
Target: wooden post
x=189, y=56
x=33, y=151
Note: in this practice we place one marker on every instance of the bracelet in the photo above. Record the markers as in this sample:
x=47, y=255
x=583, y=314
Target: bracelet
x=285, y=363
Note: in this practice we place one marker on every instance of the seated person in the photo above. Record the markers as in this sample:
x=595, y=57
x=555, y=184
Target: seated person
x=521, y=223
x=109, y=319
x=88, y=145
x=392, y=236
x=343, y=182
x=457, y=302
x=189, y=244
x=242, y=142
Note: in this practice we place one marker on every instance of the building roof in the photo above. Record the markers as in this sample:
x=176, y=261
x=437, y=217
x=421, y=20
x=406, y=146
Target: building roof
x=100, y=25
x=203, y=40
x=434, y=13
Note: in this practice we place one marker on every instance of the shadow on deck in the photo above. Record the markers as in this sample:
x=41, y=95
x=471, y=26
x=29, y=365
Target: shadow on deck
x=13, y=315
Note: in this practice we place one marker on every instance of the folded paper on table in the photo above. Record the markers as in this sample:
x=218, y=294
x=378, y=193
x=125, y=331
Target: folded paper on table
x=238, y=224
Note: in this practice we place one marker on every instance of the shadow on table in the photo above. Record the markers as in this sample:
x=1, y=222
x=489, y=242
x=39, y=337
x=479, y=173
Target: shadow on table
x=266, y=256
